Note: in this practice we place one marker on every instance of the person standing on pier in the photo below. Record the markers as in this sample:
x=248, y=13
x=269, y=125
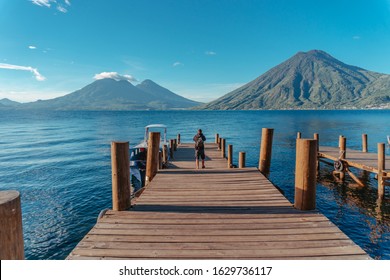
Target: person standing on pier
x=199, y=140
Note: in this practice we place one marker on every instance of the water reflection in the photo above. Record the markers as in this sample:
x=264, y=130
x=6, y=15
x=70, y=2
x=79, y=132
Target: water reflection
x=363, y=199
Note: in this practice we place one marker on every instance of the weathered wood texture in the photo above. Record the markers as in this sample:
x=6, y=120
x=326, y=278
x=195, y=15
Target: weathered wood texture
x=11, y=233
x=213, y=213
x=120, y=174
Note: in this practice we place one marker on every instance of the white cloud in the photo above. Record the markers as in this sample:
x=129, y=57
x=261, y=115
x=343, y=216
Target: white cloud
x=210, y=53
x=177, y=63
x=115, y=75
x=37, y=75
x=47, y=3
x=32, y=47
x=62, y=9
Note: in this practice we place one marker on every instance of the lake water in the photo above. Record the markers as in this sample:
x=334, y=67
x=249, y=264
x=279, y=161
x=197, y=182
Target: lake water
x=60, y=162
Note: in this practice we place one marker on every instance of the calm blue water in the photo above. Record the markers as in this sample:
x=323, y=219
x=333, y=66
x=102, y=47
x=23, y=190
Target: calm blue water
x=60, y=162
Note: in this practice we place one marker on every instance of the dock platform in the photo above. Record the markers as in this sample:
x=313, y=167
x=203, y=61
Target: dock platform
x=213, y=213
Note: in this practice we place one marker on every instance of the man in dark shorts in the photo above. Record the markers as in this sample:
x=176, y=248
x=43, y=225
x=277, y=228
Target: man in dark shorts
x=199, y=139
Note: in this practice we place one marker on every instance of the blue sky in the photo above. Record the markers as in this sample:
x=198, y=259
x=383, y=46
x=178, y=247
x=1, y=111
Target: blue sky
x=196, y=48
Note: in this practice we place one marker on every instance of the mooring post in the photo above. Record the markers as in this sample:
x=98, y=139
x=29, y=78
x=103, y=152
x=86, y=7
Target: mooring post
x=175, y=144
x=340, y=137
x=305, y=174
x=219, y=143
x=160, y=160
x=364, y=143
x=171, y=148
x=343, y=153
x=178, y=139
x=120, y=167
x=216, y=138
x=223, y=147
x=241, y=160
x=230, y=156
x=381, y=167
x=165, y=153
x=266, y=151
x=299, y=135
x=317, y=137
x=11, y=232
x=152, y=156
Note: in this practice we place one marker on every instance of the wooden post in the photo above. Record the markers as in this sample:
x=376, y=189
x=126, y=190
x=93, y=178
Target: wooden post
x=165, y=154
x=216, y=138
x=343, y=153
x=230, y=156
x=305, y=174
x=171, y=148
x=299, y=135
x=223, y=147
x=241, y=160
x=152, y=156
x=381, y=167
x=178, y=139
x=120, y=167
x=11, y=232
x=340, y=137
x=266, y=150
x=219, y=143
x=364, y=143
x=175, y=144
x=160, y=160
x=317, y=137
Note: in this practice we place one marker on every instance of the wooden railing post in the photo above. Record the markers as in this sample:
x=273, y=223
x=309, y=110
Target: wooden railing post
x=241, y=160
x=178, y=139
x=216, y=138
x=219, y=143
x=266, y=151
x=299, y=135
x=230, y=156
x=120, y=166
x=381, y=167
x=11, y=231
x=175, y=144
x=305, y=174
x=364, y=143
x=152, y=156
x=223, y=147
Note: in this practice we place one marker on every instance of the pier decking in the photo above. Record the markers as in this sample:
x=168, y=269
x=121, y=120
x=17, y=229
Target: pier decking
x=213, y=213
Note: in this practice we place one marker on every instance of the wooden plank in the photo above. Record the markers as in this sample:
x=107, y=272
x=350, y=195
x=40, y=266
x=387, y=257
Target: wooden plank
x=211, y=254
x=214, y=246
x=214, y=239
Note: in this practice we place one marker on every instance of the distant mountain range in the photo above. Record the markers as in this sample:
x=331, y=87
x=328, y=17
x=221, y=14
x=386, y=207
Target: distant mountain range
x=309, y=80
x=109, y=94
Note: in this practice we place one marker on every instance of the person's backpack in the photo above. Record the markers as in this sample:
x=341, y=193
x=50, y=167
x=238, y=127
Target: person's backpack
x=199, y=144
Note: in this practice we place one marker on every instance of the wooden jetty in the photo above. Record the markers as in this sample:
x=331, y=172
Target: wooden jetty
x=214, y=213
x=363, y=160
